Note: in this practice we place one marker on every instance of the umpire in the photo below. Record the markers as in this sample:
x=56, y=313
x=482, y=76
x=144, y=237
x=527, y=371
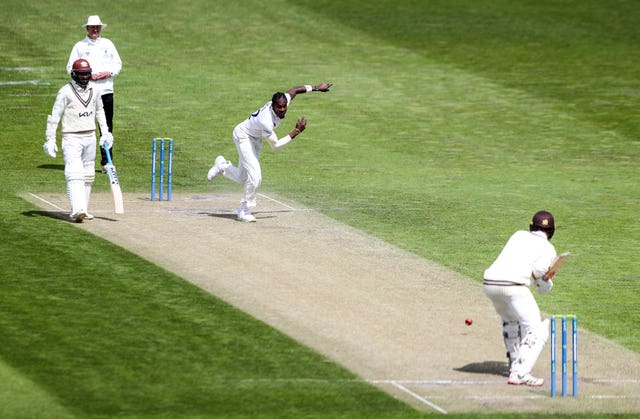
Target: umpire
x=106, y=65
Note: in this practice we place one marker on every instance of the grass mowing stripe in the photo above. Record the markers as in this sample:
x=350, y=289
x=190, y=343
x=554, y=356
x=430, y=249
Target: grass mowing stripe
x=579, y=52
x=22, y=398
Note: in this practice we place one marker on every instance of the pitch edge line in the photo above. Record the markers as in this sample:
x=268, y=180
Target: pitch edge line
x=46, y=202
x=276, y=201
x=418, y=397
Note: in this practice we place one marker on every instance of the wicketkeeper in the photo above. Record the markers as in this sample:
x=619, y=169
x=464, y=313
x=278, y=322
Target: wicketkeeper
x=78, y=105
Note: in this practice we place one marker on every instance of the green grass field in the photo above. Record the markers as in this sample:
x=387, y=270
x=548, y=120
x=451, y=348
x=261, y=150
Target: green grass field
x=450, y=123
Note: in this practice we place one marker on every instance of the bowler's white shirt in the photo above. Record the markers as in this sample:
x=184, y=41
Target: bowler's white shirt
x=262, y=122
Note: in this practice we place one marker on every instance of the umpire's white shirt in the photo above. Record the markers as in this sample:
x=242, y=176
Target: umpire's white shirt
x=102, y=55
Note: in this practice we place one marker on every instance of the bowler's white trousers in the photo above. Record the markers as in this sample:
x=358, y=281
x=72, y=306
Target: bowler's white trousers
x=248, y=171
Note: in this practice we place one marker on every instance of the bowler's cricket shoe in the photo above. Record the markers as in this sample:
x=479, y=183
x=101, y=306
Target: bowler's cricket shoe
x=88, y=216
x=220, y=164
x=78, y=216
x=245, y=215
x=526, y=379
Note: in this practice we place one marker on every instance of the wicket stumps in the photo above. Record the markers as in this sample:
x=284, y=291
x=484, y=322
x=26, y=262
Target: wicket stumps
x=154, y=153
x=574, y=353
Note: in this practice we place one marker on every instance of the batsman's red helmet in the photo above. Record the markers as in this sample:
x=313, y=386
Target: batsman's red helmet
x=81, y=71
x=543, y=220
x=81, y=65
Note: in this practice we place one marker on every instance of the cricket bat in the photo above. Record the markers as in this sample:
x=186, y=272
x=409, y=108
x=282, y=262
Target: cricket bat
x=116, y=192
x=556, y=264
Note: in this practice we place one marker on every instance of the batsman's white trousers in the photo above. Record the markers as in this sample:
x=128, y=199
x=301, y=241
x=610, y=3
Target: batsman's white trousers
x=79, y=151
x=517, y=304
x=248, y=171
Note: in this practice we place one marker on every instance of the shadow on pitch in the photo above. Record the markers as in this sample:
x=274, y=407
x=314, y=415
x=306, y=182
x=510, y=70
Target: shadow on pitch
x=486, y=367
x=59, y=215
x=52, y=166
x=234, y=217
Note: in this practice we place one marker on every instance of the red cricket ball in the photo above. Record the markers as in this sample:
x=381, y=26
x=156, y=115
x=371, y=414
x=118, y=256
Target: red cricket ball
x=468, y=321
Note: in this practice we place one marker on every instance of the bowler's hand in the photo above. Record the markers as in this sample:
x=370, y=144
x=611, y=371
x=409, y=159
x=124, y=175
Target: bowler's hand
x=324, y=87
x=301, y=124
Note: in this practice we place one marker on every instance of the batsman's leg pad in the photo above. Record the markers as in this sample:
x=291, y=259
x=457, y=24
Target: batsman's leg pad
x=77, y=196
x=89, y=178
x=531, y=347
x=512, y=339
x=75, y=177
x=89, y=169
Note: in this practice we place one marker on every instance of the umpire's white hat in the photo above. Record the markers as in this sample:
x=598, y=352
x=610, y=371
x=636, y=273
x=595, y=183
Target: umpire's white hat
x=94, y=21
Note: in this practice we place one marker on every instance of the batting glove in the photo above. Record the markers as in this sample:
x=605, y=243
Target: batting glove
x=50, y=147
x=106, y=138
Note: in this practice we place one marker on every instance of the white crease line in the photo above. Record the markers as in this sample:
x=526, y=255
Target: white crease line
x=46, y=202
x=17, y=83
x=276, y=201
x=438, y=382
x=418, y=397
x=622, y=380
x=21, y=69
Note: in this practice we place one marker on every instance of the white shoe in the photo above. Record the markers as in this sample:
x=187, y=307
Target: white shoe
x=526, y=379
x=245, y=215
x=78, y=216
x=220, y=164
x=88, y=216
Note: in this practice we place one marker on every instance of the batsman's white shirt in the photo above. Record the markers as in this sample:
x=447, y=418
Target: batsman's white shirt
x=78, y=110
x=102, y=55
x=527, y=254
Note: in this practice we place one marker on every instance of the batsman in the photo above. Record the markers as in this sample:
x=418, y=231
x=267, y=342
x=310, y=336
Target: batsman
x=525, y=259
x=78, y=105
